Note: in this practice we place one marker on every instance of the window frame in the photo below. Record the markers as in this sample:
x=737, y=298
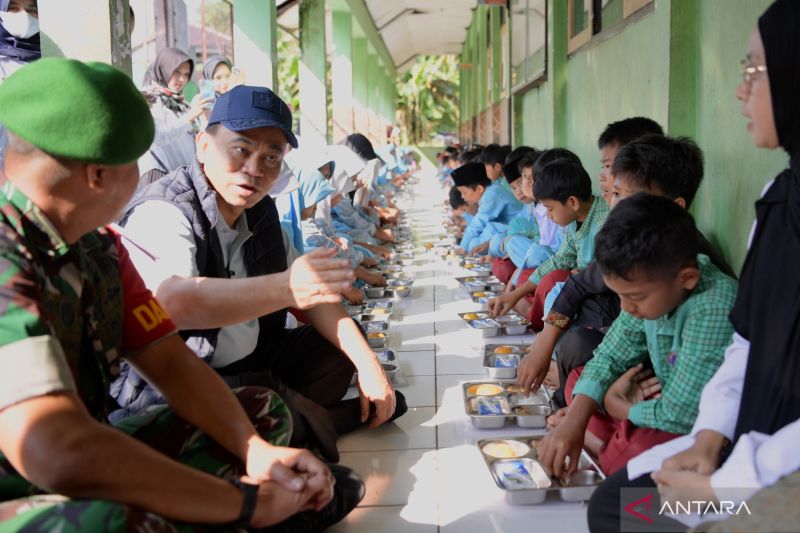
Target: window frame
x=539, y=75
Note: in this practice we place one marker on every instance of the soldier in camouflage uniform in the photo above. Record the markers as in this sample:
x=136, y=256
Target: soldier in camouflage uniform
x=72, y=305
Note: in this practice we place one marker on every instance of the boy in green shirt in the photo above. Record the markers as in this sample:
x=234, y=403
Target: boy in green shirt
x=675, y=306
x=565, y=189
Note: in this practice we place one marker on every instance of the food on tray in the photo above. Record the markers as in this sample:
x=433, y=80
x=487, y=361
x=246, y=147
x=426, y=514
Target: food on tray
x=515, y=475
x=376, y=335
x=485, y=389
x=470, y=316
x=505, y=449
x=506, y=361
x=504, y=349
x=490, y=406
x=484, y=323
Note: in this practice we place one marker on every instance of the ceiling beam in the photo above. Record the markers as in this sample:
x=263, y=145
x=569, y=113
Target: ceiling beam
x=363, y=17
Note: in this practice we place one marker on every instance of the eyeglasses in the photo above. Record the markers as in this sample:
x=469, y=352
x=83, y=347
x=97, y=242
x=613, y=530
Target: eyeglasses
x=749, y=71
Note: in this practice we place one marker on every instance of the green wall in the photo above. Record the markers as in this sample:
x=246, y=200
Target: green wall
x=677, y=63
x=736, y=171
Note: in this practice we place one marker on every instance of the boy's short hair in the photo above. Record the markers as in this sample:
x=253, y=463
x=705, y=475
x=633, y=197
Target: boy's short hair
x=628, y=130
x=494, y=154
x=560, y=179
x=456, y=200
x=469, y=156
x=673, y=165
x=511, y=169
x=646, y=232
x=526, y=162
x=552, y=155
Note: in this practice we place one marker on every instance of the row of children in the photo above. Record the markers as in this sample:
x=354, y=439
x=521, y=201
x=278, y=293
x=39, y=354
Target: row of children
x=637, y=310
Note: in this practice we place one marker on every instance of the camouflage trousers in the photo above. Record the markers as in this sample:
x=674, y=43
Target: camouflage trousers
x=31, y=510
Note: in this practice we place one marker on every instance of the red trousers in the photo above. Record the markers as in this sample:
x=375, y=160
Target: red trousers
x=537, y=298
x=622, y=439
x=503, y=269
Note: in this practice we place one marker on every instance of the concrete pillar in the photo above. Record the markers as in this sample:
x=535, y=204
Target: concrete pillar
x=97, y=30
x=359, y=65
x=255, y=41
x=372, y=96
x=342, y=75
x=313, y=87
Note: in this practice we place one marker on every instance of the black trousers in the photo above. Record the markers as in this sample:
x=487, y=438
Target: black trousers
x=311, y=375
x=604, y=513
x=575, y=348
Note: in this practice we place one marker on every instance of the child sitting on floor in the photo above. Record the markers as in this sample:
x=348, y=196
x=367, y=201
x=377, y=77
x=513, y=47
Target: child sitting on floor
x=493, y=157
x=524, y=252
x=675, y=318
x=586, y=307
x=565, y=189
x=615, y=136
x=462, y=212
x=495, y=203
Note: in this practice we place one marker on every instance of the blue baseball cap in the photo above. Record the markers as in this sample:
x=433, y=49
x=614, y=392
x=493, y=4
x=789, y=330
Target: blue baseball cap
x=245, y=107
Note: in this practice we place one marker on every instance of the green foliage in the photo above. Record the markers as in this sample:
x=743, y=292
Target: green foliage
x=218, y=16
x=289, y=72
x=428, y=98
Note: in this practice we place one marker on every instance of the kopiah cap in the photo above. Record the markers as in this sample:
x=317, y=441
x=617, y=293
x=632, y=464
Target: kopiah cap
x=470, y=174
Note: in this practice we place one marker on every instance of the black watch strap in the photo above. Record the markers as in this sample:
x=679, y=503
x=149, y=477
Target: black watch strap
x=250, y=493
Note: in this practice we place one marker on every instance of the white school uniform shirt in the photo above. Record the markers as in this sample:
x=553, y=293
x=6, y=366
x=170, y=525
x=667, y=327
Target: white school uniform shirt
x=548, y=230
x=757, y=460
x=159, y=254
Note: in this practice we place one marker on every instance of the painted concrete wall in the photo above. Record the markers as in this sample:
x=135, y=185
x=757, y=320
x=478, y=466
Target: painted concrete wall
x=736, y=171
x=677, y=63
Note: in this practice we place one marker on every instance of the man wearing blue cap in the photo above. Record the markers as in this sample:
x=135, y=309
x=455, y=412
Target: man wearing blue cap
x=207, y=238
x=72, y=307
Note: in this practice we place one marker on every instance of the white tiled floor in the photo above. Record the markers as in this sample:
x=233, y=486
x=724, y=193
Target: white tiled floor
x=424, y=472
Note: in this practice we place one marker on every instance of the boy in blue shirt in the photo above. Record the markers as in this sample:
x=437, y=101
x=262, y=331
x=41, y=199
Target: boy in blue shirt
x=495, y=204
x=565, y=189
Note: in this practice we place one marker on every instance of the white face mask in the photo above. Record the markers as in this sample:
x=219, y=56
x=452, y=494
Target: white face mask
x=20, y=24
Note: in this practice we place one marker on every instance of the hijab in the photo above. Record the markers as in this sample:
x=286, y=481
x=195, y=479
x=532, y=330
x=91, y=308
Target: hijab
x=25, y=50
x=313, y=188
x=767, y=309
x=343, y=185
x=212, y=64
x=156, y=79
x=286, y=182
x=309, y=158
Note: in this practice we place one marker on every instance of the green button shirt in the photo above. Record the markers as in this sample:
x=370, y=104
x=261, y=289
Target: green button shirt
x=685, y=347
x=577, y=250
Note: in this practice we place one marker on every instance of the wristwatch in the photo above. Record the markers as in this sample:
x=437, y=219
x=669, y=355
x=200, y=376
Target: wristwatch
x=250, y=493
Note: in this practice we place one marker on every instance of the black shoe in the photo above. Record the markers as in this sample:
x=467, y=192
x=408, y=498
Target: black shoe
x=400, y=406
x=348, y=492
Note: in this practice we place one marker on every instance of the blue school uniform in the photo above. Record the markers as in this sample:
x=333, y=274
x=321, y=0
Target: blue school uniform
x=498, y=204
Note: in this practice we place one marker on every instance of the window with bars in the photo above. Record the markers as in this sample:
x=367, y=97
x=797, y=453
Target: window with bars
x=587, y=18
x=528, y=41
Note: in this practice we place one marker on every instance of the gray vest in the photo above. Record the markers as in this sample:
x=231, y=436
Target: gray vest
x=264, y=253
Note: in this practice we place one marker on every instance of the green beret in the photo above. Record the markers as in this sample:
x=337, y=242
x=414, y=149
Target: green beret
x=88, y=112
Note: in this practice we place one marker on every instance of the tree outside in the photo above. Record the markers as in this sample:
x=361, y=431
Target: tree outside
x=428, y=99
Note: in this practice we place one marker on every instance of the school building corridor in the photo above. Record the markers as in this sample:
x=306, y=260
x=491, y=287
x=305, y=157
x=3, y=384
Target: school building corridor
x=425, y=473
